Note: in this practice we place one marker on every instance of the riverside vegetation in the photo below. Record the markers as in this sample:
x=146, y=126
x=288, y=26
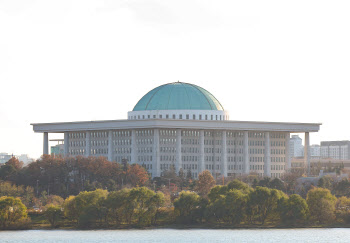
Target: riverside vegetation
x=94, y=193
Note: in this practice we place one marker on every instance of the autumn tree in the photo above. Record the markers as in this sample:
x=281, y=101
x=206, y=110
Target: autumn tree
x=265, y=201
x=294, y=210
x=204, y=183
x=13, y=213
x=53, y=214
x=321, y=205
x=342, y=209
x=185, y=207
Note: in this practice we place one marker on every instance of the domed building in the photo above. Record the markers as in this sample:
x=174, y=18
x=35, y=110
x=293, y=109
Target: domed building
x=184, y=126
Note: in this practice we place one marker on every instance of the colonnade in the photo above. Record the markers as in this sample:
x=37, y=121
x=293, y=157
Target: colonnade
x=201, y=164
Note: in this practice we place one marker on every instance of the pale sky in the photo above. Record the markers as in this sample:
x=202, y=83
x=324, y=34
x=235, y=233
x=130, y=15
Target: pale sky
x=93, y=60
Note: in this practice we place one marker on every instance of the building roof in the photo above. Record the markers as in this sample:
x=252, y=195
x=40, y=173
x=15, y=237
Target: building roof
x=178, y=96
x=174, y=124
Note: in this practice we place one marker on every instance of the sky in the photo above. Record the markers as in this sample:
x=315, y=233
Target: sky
x=83, y=60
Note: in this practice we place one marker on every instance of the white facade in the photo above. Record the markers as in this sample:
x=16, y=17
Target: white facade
x=296, y=146
x=335, y=150
x=200, y=137
x=223, y=147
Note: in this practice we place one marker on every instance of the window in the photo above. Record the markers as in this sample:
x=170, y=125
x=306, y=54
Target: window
x=160, y=116
x=194, y=117
x=167, y=116
x=174, y=117
x=154, y=116
x=180, y=117
x=200, y=117
x=187, y=116
x=206, y=117
x=149, y=116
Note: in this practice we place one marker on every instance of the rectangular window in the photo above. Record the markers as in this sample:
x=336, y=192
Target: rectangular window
x=200, y=117
x=180, y=117
x=187, y=116
x=174, y=117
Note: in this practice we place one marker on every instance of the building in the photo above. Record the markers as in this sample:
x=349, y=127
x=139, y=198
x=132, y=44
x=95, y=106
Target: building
x=185, y=126
x=315, y=151
x=4, y=157
x=335, y=150
x=57, y=149
x=296, y=147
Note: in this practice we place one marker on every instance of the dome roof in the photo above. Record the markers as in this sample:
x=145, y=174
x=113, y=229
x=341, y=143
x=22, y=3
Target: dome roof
x=178, y=96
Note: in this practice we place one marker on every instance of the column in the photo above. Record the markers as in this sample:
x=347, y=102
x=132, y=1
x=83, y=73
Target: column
x=110, y=146
x=178, y=165
x=267, y=155
x=46, y=143
x=224, y=155
x=66, y=143
x=133, y=147
x=87, y=144
x=246, y=153
x=156, y=155
x=288, y=163
x=307, y=152
x=201, y=151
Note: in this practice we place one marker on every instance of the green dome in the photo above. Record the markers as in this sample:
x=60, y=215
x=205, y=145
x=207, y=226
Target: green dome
x=178, y=96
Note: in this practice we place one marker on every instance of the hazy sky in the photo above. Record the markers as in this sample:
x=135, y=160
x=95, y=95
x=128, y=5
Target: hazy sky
x=93, y=60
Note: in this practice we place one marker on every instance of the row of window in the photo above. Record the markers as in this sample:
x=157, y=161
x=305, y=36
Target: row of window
x=167, y=158
x=167, y=141
x=120, y=159
x=144, y=158
x=189, y=158
x=180, y=116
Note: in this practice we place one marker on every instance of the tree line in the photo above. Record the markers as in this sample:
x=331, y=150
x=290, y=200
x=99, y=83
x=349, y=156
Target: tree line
x=235, y=204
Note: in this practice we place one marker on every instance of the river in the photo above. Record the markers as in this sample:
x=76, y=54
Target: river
x=179, y=236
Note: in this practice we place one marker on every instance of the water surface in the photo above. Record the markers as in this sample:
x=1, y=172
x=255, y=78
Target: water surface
x=179, y=236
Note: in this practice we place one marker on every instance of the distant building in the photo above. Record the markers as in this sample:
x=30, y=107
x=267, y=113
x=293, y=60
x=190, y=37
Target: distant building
x=296, y=147
x=335, y=150
x=315, y=151
x=4, y=157
x=57, y=149
x=25, y=158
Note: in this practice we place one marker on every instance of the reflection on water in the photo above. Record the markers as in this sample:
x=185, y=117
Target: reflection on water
x=179, y=236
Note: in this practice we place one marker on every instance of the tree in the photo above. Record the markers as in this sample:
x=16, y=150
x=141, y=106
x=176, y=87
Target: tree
x=157, y=201
x=142, y=198
x=205, y=182
x=325, y=182
x=87, y=207
x=15, y=163
x=137, y=175
x=13, y=213
x=276, y=183
x=53, y=214
x=321, y=205
x=239, y=185
x=342, y=209
x=342, y=188
x=185, y=207
x=294, y=210
x=235, y=204
x=265, y=201
x=70, y=208
x=119, y=206
x=216, y=192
